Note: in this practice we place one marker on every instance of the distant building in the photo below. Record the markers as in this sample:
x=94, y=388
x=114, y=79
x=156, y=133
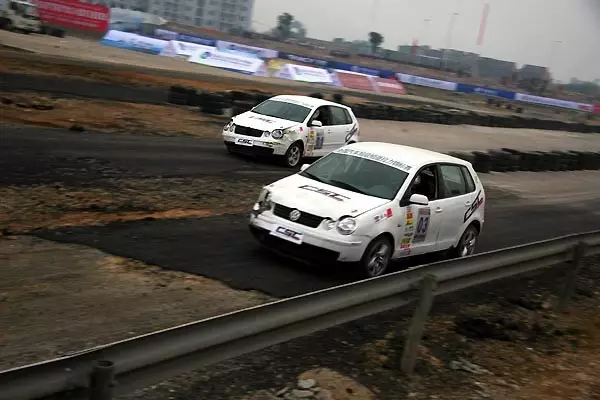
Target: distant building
x=223, y=15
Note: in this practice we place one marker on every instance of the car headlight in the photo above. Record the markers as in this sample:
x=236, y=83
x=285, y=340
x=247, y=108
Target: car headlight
x=228, y=126
x=277, y=134
x=264, y=200
x=232, y=127
x=347, y=226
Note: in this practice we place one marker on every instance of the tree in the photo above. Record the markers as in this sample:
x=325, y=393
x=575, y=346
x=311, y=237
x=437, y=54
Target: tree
x=375, y=38
x=297, y=30
x=284, y=25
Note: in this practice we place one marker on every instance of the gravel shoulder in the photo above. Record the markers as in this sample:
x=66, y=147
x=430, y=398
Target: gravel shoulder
x=60, y=298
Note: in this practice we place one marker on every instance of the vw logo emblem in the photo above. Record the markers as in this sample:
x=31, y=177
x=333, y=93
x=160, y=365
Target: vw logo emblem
x=295, y=215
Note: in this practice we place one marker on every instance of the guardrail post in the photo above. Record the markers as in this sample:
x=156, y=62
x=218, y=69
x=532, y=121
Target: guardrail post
x=569, y=283
x=102, y=381
x=417, y=326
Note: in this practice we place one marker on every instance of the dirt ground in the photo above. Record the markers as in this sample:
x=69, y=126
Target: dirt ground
x=23, y=208
x=58, y=298
x=106, y=116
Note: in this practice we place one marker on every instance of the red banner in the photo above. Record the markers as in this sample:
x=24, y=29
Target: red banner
x=384, y=85
x=355, y=81
x=74, y=14
x=597, y=108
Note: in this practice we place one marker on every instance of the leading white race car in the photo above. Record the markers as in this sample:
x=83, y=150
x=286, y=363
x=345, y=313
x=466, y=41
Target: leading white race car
x=291, y=127
x=368, y=203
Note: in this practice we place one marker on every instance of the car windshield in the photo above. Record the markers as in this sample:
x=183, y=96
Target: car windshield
x=283, y=110
x=357, y=174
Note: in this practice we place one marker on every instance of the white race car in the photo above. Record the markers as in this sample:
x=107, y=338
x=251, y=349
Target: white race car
x=291, y=127
x=368, y=203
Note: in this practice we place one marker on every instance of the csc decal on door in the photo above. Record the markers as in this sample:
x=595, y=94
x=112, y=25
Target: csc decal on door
x=476, y=204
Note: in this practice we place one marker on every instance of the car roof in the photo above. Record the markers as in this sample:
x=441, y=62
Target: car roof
x=415, y=157
x=309, y=101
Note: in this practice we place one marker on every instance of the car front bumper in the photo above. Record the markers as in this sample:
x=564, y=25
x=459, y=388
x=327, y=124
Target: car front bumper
x=317, y=244
x=259, y=146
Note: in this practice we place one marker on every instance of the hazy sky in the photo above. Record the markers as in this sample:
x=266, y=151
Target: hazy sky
x=524, y=31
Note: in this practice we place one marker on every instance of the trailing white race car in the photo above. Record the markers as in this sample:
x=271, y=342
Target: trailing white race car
x=291, y=127
x=368, y=203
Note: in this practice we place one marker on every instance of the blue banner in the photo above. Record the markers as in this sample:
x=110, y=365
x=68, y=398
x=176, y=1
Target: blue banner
x=196, y=39
x=361, y=70
x=484, y=91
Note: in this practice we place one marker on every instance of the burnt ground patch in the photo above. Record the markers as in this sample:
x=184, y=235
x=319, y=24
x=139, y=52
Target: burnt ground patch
x=222, y=248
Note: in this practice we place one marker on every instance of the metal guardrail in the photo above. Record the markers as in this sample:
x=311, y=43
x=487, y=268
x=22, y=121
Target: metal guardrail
x=144, y=360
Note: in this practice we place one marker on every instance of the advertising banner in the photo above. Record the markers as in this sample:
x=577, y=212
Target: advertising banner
x=420, y=81
x=464, y=88
x=352, y=80
x=182, y=37
x=132, y=41
x=242, y=48
x=355, y=68
x=304, y=74
x=230, y=62
x=165, y=34
x=74, y=14
x=182, y=50
x=302, y=59
x=387, y=85
x=547, y=101
x=597, y=109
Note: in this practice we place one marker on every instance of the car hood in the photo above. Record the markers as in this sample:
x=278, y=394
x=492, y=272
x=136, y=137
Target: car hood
x=308, y=195
x=262, y=122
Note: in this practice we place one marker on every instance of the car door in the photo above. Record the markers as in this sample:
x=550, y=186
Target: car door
x=317, y=135
x=422, y=224
x=457, y=196
x=341, y=126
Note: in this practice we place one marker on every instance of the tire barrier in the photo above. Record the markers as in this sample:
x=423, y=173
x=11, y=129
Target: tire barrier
x=57, y=33
x=179, y=95
x=507, y=160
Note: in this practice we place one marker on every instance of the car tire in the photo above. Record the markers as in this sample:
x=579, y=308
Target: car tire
x=293, y=155
x=376, y=259
x=467, y=243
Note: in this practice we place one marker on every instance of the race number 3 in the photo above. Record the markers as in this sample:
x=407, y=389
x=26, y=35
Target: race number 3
x=422, y=225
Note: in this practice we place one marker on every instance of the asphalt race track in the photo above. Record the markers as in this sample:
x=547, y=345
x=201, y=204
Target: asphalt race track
x=219, y=247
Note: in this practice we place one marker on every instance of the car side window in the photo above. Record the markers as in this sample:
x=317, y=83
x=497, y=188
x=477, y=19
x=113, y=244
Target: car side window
x=348, y=117
x=426, y=183
x=468, y=179
x=453, y=181
x=322, y=114
x=338, y=116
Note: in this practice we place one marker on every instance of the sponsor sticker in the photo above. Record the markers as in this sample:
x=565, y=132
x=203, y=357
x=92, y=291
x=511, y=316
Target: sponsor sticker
x=385, y=215
x=376, y=157
x=287, y=234
x=244, y=142
x=422, y=227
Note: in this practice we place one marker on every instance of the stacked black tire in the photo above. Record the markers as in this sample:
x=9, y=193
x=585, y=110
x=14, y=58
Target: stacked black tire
x=507, y=160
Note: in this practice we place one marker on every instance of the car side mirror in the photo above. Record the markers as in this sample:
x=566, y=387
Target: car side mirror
x=419, y=199
x=304, y=166
x=316, y=124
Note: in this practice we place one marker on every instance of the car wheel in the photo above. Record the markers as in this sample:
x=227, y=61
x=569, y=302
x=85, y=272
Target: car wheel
x=293, y=155
x=467, y=243
x=376, y=259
